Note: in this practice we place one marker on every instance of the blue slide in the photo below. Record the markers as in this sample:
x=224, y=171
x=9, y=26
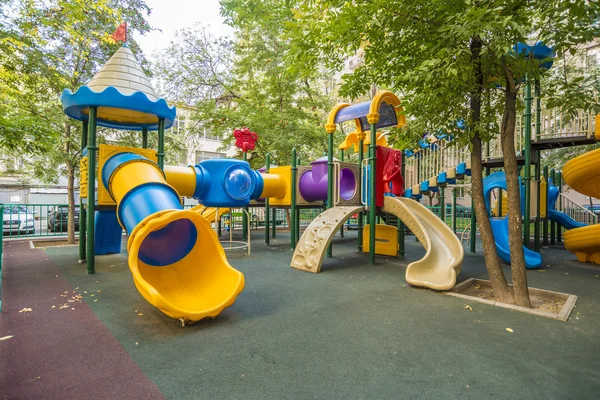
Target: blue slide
x=500, y=225
x=563, y=219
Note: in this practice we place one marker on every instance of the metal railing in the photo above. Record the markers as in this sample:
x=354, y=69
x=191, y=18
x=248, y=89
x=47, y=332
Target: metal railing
x=36, y=220
x=575, y=211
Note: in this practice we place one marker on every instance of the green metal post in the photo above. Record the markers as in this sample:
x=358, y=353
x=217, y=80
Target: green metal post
x=442, y=203
x=473, y=241
x=552, y=223
x=527, y=177
x=372, y=191
x=499, y=202
x=274, y=223
x=538, y=110
x=144, y=138
x=293, y=210
x=400, y=225
x=536, y=227
x=330, y=181
x=545, y=223
x=91, y=266
x=558, y=227
x=245, y=209
x=161, y=143
x=267, y=224
x=341, y=154
x=297, y=208
x=454, y=209
x=82, y=212
x=359, y=241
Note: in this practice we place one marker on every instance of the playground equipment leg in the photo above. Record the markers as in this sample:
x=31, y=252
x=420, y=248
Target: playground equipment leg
x=294, y=180
x=360, y=195
x=443, y=204
x=454, y=209
x=330, y=181
x=144, y=138
x=558, y=227
x=552, y=223
x=82, y=214
x=536, y=230
x=473, y=229
x=160, y=156
x=372, y=189
x=267, y=210
x=545, y=223
x=90, y=261
x=527, y=177
x=401, y=227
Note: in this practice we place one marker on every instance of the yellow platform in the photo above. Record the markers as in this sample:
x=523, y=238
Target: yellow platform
x=583, y=174
x=386, y=239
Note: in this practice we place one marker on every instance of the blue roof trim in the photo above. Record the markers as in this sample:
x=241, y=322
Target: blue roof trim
x=84, y=97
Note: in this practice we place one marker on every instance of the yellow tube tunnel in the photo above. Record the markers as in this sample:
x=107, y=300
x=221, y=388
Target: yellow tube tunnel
x=175, y=257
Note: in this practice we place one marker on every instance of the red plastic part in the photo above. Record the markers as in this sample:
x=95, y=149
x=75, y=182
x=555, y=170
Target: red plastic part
x=244, y=139
x=388, y=170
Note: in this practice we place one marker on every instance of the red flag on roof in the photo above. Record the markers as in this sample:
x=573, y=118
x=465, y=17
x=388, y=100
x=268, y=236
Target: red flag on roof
x=120, y=34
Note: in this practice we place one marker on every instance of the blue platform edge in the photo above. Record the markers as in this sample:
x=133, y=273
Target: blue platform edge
x=84, y=97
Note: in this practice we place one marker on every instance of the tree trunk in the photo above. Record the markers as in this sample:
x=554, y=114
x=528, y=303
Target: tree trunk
x=492, y=262
x=70, y=185
x=515, y=234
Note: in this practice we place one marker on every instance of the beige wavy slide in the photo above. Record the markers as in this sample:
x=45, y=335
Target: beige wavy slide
x=437, y=270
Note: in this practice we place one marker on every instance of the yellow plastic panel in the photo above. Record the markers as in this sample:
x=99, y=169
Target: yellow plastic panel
x=83, y=177
x=543, y=198
x=198, y=286
x=285, y=173
x=104, y=153
x=386, y=240
x=275, y=186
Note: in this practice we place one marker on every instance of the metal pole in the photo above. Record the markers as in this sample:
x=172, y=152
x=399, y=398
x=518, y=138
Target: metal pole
x=442, y=203
x=454, y=209
x=298, y=209
x=341, y=154
x=361, y=151
x=244, y=214
x=91, y=267
x=330, y=181
x=372, y=188
x=161, y=143
x=527, y=177
x=293, y=210
x=274, y=223
x=82, y=212
x=545, y=223
x=267, y=224
x=536, y=227
x=559, y=184
x=144, y=138
x=552, y=223
x=400, y=225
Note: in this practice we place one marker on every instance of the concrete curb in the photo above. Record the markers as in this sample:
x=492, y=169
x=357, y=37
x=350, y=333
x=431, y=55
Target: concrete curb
x=562, y=315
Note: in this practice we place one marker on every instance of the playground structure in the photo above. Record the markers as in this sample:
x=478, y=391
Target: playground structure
x=381, y=191
x=175, y=257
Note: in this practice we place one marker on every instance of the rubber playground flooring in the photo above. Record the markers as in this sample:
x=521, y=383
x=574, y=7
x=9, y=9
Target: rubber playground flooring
x=355, y=331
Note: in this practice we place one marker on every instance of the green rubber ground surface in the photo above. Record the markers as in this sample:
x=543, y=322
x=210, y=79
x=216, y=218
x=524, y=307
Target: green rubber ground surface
x=355, y=331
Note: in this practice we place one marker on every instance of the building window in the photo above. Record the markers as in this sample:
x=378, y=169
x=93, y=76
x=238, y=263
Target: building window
x=207, y=155
x=210, y=136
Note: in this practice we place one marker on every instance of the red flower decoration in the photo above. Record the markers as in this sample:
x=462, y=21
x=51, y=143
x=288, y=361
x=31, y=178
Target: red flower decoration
x=244, y=139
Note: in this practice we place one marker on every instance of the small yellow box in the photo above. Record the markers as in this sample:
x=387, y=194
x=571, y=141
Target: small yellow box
x=285, y=173
x=386, y=240
x=105, y=152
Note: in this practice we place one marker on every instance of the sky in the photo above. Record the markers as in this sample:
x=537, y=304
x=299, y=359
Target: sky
x=171, y=15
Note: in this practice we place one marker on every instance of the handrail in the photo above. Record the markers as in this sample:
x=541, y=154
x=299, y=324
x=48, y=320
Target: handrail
x=364, y=187
x=336, y=183
x=575, y=211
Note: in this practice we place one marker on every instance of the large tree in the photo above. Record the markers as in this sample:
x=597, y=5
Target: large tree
x=247, y=81
x=53, y=45
x=451, y=60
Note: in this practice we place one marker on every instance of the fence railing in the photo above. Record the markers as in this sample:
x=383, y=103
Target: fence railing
x=575, y=211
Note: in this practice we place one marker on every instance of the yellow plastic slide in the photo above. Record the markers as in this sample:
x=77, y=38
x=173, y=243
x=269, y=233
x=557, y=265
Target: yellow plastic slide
x=583, y=174
x=176, y=260
x=437, y=270
x=444, y=256
x=209, y=213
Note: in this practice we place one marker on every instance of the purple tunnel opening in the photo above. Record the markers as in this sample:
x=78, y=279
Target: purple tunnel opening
x=347, y=184
x=168, y=244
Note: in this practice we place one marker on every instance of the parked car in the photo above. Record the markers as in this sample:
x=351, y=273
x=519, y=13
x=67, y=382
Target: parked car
x=58, y=219
x=17, y=219
x=595, y=208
